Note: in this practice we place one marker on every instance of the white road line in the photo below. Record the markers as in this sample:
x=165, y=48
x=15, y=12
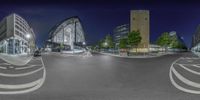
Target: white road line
x=5, y=64
x=30, y=89
x=188, y=58
x=1, y=67
x=184, y=80
x=189, y=61
x=27, y=67
x=187, y=64
x=20, y=86
x=196, y=66
x=192, y=71
x=180, y=87
x=21, y=74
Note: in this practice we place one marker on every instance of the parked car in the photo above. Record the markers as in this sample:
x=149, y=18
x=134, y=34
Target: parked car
x=37, y=53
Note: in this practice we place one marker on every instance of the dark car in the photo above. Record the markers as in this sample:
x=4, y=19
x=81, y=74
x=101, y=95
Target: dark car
x=37, y=53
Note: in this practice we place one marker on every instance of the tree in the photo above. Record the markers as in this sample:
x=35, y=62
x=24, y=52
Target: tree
x=100, y=44
x=134, y=39
x=62, y=46
x=164, y=40
x=109, y=41
x=123, y=43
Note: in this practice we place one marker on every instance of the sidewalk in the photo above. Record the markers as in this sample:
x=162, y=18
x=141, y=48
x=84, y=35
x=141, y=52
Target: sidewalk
x=18, y=60
x=138, y=56
x=196, y=53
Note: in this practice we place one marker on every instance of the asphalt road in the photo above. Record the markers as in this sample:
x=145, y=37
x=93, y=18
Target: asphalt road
x=102, y=77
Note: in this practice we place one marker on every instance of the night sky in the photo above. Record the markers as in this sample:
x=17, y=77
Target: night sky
x=100, y=17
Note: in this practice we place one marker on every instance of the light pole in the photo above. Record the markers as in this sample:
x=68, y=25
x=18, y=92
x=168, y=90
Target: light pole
x=105, y=44
x=28, y=36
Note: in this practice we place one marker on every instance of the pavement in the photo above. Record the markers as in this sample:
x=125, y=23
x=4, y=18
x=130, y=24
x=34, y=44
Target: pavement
x=19, y=60
x=103, y=77
x=21, y=79
x=185, y=73
x=136, y=56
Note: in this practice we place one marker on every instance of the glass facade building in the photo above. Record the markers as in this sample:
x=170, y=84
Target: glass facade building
x=196, y=40
x=67, y=35
x=16, y=36
x=120, y=32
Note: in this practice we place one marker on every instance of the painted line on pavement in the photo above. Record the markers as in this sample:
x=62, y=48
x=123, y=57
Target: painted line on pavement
x=192, y=71
x=20, y=86
x=30, y=89
x=27, y=67
x=180, y=87
x=1, y=67
x=21, y=74
x=183, y=79
x=196, y=66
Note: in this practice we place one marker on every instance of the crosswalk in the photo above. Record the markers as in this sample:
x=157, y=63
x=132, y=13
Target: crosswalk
x=185, y=74
x=22, y=79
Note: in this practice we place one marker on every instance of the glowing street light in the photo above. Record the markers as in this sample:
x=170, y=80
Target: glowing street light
x=28, y=36
x=84, y=43
x=105, y=44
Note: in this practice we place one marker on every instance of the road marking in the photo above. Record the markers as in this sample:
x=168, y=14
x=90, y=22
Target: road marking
x=20, y=86
x=192, y=71
x=183, y=79
x=196, y=66
x=29, y=89
x=27, y=67
x=180, y=87
x=5, y=64
x=189, y=61
x=188, y=64
x=21, y=74
x=1, y=67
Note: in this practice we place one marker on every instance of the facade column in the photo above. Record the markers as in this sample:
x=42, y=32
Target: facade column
x=13, y=45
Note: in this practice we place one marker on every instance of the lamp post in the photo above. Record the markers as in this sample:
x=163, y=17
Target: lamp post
x=28, y=36
x=105, y=44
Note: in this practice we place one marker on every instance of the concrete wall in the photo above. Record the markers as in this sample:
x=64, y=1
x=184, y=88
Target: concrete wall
x=10, y=26
x=139, y=21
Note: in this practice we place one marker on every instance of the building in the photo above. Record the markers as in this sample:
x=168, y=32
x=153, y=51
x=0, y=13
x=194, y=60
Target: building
x=68, y=35
x=120, y=32
x=16, y=36
x=140, y=21
x=196, y=40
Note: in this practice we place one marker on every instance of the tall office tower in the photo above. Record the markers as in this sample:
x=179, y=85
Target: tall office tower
x=139, y=21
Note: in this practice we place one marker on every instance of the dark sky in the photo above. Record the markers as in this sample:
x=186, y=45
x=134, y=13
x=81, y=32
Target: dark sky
x=100, y=17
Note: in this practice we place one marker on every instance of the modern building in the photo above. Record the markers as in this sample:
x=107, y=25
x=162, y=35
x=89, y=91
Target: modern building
x=16, y=36
x=120, y=32
x=68, y=35
x=140, y=21
x=177, y=42
x=196, y=40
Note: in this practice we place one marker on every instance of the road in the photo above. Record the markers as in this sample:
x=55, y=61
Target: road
x=102, y=77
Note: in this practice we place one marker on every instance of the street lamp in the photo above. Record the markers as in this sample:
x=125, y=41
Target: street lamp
x=28, y=36
x=84, y=43
x=105, y=44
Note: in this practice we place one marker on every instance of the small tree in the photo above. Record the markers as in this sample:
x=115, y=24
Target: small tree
x=62, y=46
x=109, y=41
x=164, y=40
x=134, y=39
x=123, y=43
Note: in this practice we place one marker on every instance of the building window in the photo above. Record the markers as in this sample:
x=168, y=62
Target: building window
x=133, y=18
x=146, y=18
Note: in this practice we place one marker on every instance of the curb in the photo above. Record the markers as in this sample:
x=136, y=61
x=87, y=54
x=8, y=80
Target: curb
x=130, y=57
